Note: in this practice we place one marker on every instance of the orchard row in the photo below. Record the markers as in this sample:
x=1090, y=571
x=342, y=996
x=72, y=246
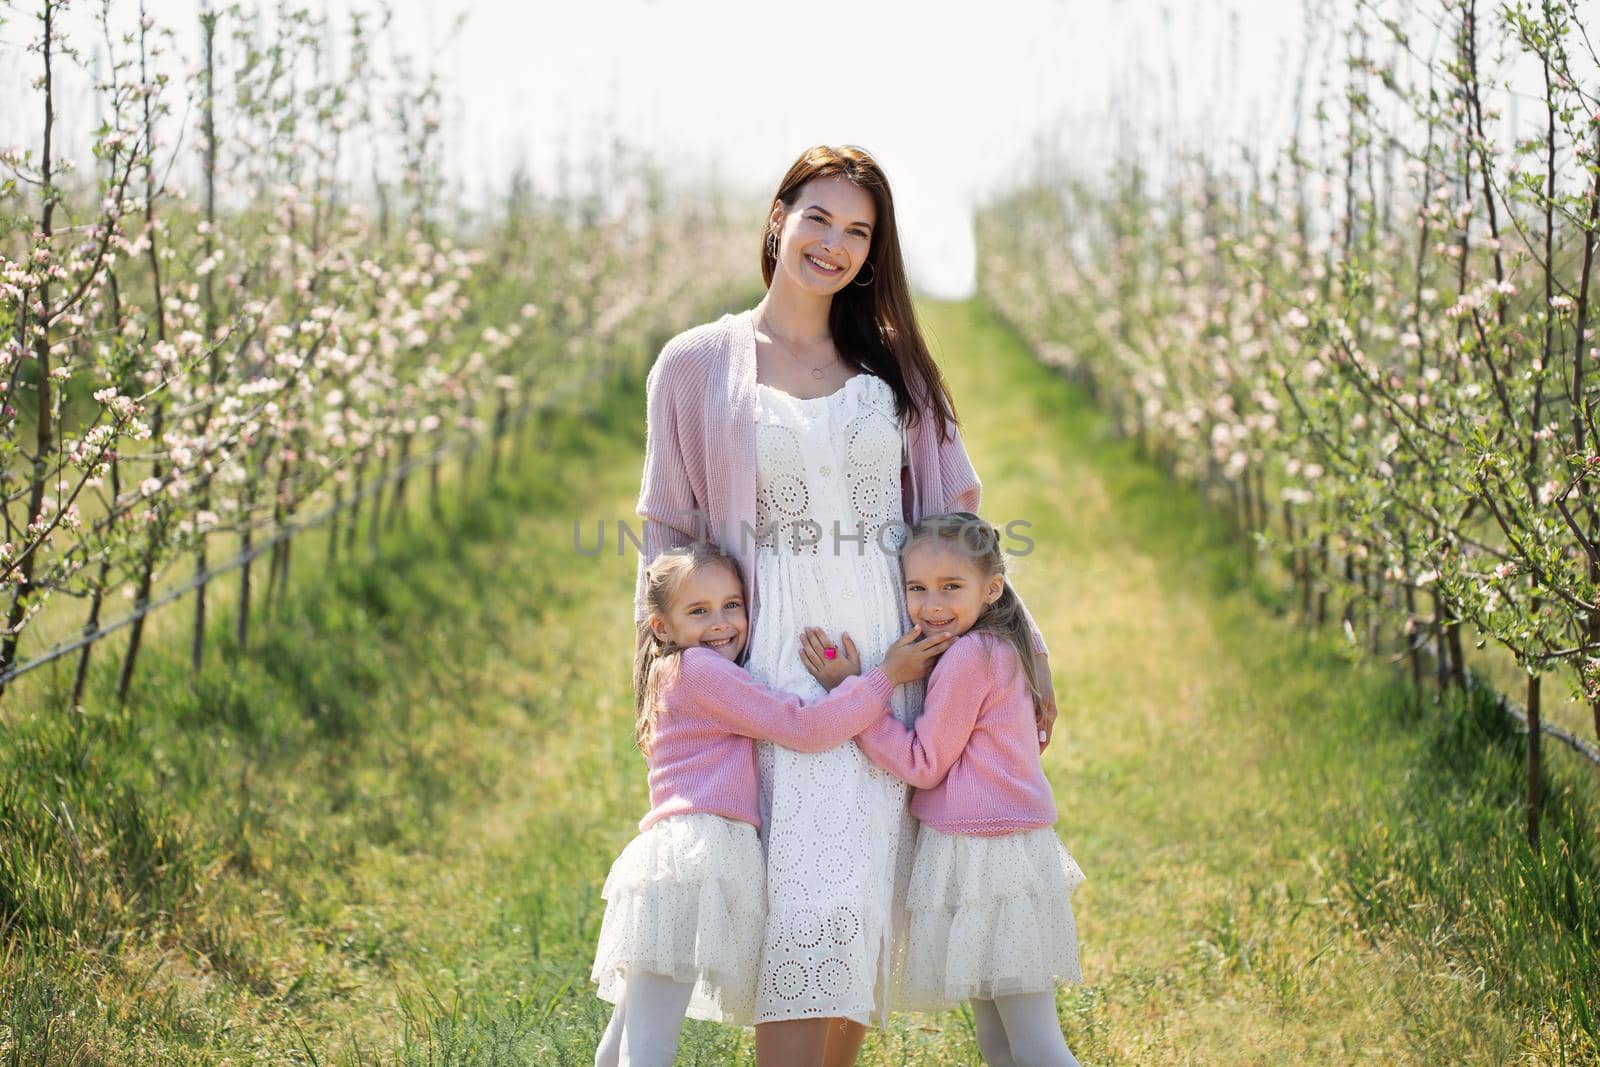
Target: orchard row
x=1378, y=347
x=252, y=301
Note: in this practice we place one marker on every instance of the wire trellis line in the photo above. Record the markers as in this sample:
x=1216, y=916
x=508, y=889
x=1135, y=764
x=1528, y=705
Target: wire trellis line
x=1511, y=708
x=1577, y=744
x=465, y=445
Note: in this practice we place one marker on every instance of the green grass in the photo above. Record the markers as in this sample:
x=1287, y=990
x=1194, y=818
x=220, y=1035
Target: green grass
x=378, y=835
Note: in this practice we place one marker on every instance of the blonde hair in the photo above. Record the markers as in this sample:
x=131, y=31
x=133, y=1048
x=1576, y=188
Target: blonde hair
x=663, y=578
x=970, y=537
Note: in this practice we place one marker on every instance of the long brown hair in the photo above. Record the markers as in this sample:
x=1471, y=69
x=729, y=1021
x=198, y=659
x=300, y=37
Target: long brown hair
x=663, y=578
x=971, y=538
x=874, y=326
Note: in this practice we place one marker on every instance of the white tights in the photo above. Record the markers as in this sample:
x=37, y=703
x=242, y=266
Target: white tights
x=1016, y=1031
x=644, y=1026
x=1021, y=1031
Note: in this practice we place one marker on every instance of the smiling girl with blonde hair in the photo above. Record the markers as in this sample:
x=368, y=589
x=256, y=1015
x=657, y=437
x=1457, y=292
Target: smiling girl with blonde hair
x=989, y=896
x=686, y=899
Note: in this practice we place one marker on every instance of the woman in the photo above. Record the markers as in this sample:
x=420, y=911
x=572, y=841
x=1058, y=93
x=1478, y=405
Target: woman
x=798, y=434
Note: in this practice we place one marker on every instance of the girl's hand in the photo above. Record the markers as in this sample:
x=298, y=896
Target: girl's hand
x=1046, y=712
x=912, y=657
x=814, y=646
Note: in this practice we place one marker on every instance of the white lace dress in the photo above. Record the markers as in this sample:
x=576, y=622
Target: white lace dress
x=838, y=832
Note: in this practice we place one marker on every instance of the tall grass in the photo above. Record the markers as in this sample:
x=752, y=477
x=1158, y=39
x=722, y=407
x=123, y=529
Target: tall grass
x=1447, y=873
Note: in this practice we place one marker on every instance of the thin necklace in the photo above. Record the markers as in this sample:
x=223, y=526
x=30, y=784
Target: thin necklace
x=816, y=372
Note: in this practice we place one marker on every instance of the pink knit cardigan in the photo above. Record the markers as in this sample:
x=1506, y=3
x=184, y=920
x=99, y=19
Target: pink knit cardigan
x=700, y=455
x=703, y=757
x=973, y=755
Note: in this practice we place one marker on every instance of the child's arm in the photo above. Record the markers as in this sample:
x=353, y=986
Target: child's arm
x=923, y=753
x=726, y=692
x=910, y=658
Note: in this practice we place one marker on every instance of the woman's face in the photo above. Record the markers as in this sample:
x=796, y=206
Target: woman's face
x=824, y=239
x=944, y=591
x=708, y=610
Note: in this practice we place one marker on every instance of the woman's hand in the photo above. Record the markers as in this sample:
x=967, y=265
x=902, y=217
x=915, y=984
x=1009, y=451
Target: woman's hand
x=814, y=646
x=912, y=656
x=1046, y=715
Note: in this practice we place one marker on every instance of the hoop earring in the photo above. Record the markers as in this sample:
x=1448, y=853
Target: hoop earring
x=870, y=278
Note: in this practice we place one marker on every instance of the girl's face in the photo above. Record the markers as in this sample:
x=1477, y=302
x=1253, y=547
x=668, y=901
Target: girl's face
x=824, y=239
x=944, y=591
x=708, y=610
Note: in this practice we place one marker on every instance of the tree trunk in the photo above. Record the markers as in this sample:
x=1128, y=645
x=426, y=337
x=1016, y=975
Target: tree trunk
x=1535, y=802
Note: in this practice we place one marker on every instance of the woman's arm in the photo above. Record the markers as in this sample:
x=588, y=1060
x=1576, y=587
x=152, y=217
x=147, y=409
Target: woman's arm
x=667, y=502
x=964, y=492
x=724, y=691
x=923, y=753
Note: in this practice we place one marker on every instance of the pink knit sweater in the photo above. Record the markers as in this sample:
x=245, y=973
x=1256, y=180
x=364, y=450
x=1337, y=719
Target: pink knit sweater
x=700, y=454
x=973, y=755
x=703, y=758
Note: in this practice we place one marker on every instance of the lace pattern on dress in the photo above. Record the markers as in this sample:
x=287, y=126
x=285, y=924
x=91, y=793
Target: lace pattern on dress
x=835, y=827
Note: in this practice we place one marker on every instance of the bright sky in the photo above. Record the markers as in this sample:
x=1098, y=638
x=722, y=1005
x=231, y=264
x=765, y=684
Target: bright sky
x=952, y=97
x=949, y=96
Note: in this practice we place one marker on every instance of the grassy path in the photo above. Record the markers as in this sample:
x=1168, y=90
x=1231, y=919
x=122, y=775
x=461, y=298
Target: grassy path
x=421, y=884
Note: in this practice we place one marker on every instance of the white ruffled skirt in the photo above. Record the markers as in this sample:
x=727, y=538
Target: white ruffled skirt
x=687, y=899
x=989, y=917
